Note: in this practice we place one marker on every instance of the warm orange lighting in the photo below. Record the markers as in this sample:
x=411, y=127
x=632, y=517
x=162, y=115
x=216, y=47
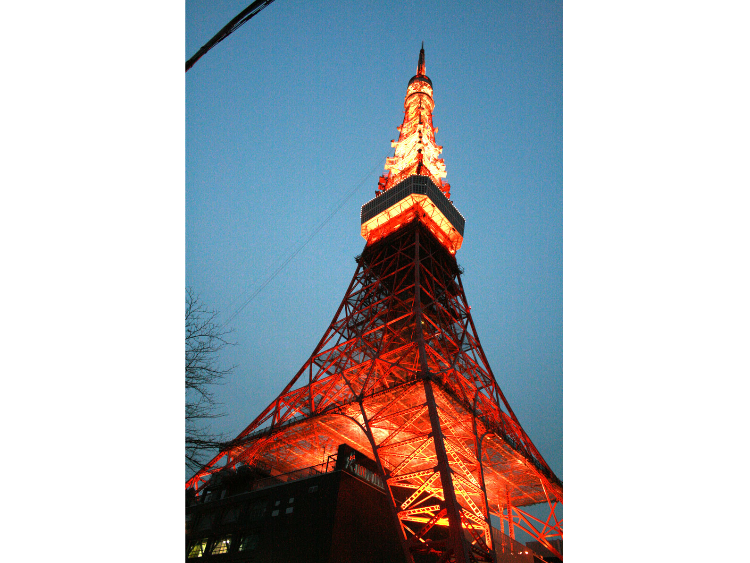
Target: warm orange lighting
x=405, y=211
x=416, y=152
x=442, y=522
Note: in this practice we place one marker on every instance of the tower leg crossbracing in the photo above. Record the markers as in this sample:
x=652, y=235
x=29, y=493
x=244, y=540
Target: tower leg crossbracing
x=400, y=375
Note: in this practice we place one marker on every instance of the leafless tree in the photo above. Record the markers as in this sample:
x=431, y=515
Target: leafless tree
x=204, y=341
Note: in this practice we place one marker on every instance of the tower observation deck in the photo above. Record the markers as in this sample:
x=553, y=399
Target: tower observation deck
x=400, y=377
x=413, y=185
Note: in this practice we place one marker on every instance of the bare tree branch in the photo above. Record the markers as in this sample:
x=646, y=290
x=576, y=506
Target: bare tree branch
x=204, y=341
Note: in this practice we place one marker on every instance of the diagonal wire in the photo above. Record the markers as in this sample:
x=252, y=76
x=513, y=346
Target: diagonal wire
x=289, y=258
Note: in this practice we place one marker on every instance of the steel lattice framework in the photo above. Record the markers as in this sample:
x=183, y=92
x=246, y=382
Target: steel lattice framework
x=401, y=376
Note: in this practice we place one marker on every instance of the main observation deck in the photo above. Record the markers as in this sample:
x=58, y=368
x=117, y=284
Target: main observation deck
x=415, y=197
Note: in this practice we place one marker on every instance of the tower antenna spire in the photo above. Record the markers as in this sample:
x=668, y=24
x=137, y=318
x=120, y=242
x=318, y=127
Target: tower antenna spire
x=420, y=64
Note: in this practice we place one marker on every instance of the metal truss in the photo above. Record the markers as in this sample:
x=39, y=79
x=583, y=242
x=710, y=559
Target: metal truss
x=416, y=152
x=400, y=375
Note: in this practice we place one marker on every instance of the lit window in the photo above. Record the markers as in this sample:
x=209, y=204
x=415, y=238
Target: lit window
x=248, y=543
x=290, y=510
x=222, y=545
x=197, y=548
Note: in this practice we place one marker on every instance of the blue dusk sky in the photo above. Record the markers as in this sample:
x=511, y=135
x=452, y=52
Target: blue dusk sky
x=297, y=108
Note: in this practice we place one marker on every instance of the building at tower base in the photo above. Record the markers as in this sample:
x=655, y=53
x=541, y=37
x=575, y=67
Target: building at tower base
x=330, y=513
x=335, y=512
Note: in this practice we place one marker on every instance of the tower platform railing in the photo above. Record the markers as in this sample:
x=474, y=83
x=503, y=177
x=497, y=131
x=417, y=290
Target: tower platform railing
x=296, y=475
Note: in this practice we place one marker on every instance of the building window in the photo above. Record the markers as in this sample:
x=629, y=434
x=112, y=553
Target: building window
x=197, y=548
x=312, y=489
x=205, y=522
x=291, y=500
x=222, y=545
x=231, y=515
x=290, y=510
x=248, y=543
x=275, y=512
x=257, y=510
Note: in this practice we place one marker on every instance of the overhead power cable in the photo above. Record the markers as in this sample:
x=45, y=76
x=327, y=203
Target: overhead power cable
x=238, y=20
x=289, y=258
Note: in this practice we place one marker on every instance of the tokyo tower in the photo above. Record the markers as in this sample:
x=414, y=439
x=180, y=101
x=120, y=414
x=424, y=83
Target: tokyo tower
x=400, y=376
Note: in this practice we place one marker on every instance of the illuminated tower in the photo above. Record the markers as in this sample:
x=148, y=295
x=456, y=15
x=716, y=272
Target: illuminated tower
x=401, y=377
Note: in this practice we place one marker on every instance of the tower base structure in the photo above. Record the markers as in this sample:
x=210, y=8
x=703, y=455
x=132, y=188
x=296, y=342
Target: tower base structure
x=401, y=376
x=334, y=512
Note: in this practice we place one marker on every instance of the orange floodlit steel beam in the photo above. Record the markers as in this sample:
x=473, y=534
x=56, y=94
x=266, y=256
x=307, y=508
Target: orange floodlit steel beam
x=424, y=486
